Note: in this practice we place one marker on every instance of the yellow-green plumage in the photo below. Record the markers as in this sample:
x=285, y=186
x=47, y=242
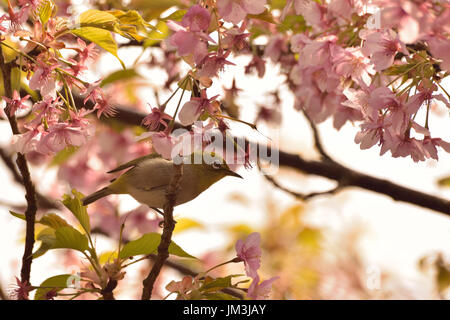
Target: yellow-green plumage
x=148, y=178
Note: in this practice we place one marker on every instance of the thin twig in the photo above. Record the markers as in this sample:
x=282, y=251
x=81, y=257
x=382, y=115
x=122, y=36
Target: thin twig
x=166, y=237
x=299, y=195
x=317, y=141
x=30, y=192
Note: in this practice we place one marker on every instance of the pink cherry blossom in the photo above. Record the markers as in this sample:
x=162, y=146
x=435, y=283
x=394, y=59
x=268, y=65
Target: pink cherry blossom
x=16, y=103
x=213, y=63
x=276, y=47
x=28, y=141
x=21, y=290
x=249, y=251
x=196, y=19
x=236, y=10
x=189, y=37
x=155, y=118
x=440, y=48
x=407, y=16
x=61, y=135
x=86, y=52
x=43, y=78
x=351, y=63
x=163, y=144
x=260, y=291
x=192, y=109
x=381, y=46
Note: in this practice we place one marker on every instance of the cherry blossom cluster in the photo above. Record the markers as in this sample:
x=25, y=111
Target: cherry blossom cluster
x=52, y=62
x=378, y=63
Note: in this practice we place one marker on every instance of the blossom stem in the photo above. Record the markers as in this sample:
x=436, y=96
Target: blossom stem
x=234, y=260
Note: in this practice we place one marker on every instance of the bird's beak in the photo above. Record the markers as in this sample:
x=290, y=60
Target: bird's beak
x=234, y=174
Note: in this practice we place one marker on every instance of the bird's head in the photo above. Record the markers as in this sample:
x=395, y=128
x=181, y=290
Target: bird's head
x=211, y=169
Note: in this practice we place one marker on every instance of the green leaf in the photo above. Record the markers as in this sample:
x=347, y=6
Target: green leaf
x=75, y=205
x=45, y=10
x=98, y=19
x=176, y=16
x=100, y=37
x=266, y=16
x=131, y=24
x=70, y=238
x=56, y=283
x=61, y=238
x=18, y=215
x=119, y=75
x=177, y=251
x=47, y=238
x=148, y=244
x=53, y=221
x=156, y=36
x=216, y=284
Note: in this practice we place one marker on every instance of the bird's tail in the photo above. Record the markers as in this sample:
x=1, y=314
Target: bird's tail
x=96, y=195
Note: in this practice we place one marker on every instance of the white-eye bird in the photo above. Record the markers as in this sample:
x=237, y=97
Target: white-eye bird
x=149, y=176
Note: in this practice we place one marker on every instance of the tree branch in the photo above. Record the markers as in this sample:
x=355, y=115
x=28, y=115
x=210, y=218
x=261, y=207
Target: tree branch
x=166, y=237
x=331, y=170
x=30, y=192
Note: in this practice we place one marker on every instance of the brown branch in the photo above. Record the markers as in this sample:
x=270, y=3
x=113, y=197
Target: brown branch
x=333, y=171
x=338, y=172
x=107, y=292
x=166, y=237
x=30, y=192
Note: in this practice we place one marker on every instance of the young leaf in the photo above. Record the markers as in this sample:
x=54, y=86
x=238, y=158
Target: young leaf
x=47, y=238
x=217, y=284
x=18, y=215
x=53, y=221
x=61, y=238
x=70, y=238
x=119, y=75
x=56, y=283
x=146, y=244
x=98, y=19
x=156, y=36
x=149, y=243
x=75, y=205
x=45, y=10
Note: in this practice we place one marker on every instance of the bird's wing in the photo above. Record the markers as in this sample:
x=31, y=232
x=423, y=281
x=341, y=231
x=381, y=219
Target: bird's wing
x=150, y=174
x=134, y=162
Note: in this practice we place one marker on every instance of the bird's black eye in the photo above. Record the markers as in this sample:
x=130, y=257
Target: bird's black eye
x=216, y=165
